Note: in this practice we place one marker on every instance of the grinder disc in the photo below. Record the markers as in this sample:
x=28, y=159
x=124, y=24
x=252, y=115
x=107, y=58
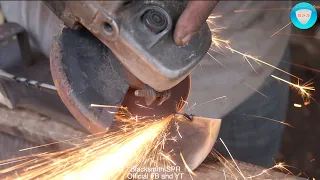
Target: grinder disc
x=86, y=72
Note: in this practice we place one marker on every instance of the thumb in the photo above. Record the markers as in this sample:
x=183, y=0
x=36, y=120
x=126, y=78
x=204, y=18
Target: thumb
x=191, y=19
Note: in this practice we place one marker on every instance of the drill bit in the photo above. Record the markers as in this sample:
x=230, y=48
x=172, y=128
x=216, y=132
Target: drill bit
x=30, y=83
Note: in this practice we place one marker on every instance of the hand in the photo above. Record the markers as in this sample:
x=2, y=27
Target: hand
x=190, y=21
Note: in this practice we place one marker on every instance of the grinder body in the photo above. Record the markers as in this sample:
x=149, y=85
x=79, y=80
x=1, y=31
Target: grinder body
x=110, y=47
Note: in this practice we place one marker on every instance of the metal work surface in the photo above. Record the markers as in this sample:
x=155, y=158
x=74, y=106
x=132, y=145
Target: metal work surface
x=209, y=169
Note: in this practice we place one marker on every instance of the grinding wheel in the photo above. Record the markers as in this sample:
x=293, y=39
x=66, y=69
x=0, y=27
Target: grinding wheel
x=86, y=72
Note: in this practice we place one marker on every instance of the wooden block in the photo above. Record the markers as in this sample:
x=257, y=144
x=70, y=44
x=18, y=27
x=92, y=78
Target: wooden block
x=36, y=128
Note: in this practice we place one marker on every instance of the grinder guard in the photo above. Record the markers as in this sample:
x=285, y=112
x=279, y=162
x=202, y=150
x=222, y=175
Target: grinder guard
x=140, y=35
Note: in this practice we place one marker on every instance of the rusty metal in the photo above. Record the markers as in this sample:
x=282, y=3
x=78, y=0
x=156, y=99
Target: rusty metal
x=64, y=90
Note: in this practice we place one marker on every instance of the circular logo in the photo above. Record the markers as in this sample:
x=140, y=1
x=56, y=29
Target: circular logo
x=303, y=15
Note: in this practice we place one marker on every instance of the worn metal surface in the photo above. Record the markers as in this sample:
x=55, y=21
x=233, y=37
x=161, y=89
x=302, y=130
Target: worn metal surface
x=151, y=57
x=83, y=74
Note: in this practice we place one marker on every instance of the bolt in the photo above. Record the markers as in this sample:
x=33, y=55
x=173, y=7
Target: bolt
x=155, y=21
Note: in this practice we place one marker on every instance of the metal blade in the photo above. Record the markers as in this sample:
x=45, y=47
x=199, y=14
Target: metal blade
x=195, y=141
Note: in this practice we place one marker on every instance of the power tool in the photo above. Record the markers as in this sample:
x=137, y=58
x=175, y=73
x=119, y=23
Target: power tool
x=122, y=53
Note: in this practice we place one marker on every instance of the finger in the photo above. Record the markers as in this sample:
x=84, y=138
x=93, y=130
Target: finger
x=190, y=21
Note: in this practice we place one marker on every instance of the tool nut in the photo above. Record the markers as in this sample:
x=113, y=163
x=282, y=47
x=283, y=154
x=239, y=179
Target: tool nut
x=155, y=20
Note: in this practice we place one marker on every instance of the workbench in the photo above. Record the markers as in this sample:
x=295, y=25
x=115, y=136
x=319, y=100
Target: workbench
x=39, y=129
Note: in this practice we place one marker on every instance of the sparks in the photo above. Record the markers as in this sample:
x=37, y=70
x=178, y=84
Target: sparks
x=306, y=103
x=281, y=29
x=237, y=75
x=187, y=167
x=142, y=106
x=270, y=119
x=168, y=158
x=267, y=9
x=212, y=16
x=302, y=89
x=297, y=105
x=214, y=99
x=260, y=61
x=106, y=106
x=177, y=129
x=239, y=170
x=102, y=156
x=105, y=155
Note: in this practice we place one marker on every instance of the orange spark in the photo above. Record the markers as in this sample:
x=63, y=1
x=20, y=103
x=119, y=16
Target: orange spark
x=239, y=170
x=212, y=16
x=281, y=29
x=177, y=129
x=262, y=62
x=93, y=156
x=214, y=99
x=305, y=67
x=106, y=106
x=302, y=89
x=266, y=9
x=240, y=77
x=142, y=106
x=297, y=105
x=168, y=158
x=281, y=166
x=281, y=122
x=299, y=35
x=187, y=167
